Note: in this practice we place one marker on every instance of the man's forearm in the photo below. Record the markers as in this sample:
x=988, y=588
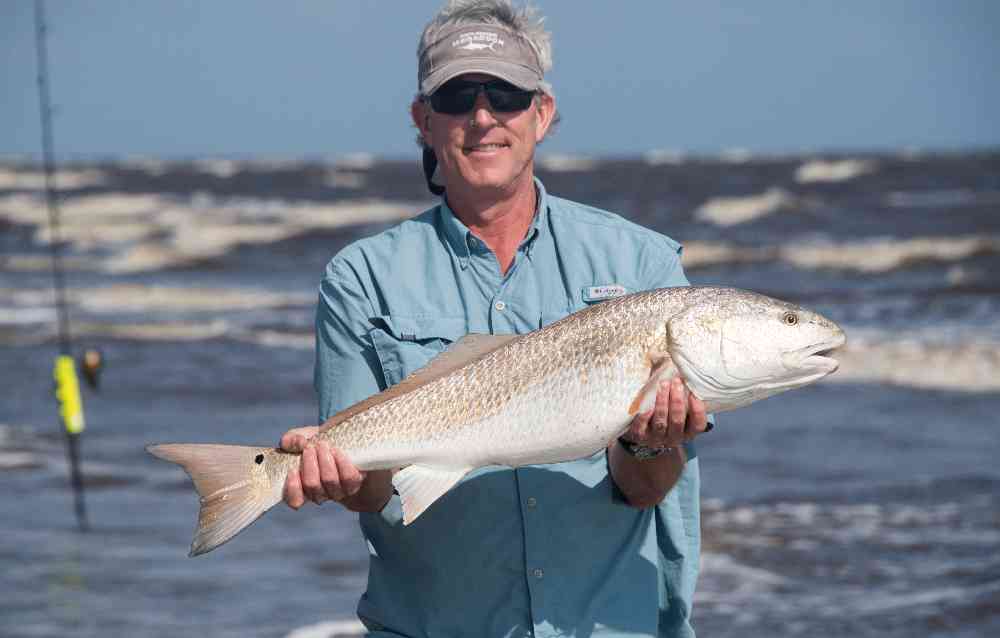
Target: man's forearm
x=645, y=482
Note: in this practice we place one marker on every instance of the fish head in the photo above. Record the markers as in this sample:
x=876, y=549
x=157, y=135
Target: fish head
x=738, y=347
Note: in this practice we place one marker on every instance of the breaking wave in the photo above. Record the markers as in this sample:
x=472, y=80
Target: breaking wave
x=33, y=180
x=566, y=163
x=833, y=170
x=136, y=298
x=331, y=629
x=729, y=211
x=969, y=366
x=868, y=256
x=143, y=232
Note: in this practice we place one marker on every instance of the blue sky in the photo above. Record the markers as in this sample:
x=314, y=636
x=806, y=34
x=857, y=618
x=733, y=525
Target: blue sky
x=330, y=77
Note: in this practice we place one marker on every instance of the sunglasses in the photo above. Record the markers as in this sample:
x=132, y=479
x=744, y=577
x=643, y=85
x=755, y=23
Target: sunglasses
x=459, y=96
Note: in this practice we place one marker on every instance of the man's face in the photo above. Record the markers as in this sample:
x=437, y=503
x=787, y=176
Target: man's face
x=483, y=148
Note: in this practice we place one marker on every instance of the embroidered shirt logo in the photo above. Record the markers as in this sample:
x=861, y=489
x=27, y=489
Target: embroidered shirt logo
x=478, y=41
x=600, y=293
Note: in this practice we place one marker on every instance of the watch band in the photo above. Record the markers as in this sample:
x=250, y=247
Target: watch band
x=641, y=452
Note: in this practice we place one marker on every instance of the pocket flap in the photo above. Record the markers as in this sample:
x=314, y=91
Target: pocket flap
x=422, y=328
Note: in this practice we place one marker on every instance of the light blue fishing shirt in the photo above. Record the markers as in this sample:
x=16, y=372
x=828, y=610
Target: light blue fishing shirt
x=544, y=550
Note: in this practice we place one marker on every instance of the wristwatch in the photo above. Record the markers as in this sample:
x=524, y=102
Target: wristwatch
x=641, y=452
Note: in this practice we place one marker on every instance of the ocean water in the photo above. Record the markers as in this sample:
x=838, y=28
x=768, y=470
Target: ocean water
x=867, y=504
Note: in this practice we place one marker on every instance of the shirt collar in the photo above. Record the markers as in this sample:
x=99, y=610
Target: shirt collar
x=457, y=234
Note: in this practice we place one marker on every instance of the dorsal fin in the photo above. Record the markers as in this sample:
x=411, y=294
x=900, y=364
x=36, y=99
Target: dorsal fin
x=462, y=352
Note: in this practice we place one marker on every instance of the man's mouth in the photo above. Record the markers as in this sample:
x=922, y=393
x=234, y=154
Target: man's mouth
x=485, y=148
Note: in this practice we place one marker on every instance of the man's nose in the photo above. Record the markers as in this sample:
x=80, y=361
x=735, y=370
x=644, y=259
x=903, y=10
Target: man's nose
x=482, y=115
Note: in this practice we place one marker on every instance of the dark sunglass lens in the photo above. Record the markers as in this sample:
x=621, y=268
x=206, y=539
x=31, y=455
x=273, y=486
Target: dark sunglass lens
x=508, y=98
x=455, y=98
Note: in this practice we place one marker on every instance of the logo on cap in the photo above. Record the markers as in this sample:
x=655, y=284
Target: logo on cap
x=478, y=41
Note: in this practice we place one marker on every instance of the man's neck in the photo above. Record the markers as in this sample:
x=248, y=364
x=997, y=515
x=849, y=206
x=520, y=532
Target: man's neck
x=501, y=220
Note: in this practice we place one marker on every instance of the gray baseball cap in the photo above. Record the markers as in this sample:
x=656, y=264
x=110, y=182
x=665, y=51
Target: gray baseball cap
x=479, y=48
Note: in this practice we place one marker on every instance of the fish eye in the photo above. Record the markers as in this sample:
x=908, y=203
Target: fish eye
x=790, y=319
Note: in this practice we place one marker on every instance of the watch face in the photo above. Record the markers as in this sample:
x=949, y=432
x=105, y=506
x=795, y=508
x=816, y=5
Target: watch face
x=641, y=452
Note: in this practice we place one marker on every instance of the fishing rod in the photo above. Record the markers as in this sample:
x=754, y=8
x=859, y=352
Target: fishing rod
x=67, y=387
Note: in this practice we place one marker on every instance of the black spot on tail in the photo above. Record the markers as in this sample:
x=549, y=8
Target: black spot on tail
x=259, y=459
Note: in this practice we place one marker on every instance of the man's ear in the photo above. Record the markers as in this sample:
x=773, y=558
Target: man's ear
x=545, y=105
x=421, y=115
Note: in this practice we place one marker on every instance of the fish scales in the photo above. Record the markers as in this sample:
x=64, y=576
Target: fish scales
x=524, y=390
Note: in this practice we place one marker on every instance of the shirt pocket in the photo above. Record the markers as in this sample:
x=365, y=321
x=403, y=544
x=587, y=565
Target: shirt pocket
x=405, y=344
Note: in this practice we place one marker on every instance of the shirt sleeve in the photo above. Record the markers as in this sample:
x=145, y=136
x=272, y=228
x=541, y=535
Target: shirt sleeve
x=347, y=368
x=664, y=270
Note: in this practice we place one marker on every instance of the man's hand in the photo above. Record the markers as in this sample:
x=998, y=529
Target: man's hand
x=677, y=416
x=324, y=474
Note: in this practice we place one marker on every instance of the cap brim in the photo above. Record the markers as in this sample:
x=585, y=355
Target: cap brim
x=517, y=74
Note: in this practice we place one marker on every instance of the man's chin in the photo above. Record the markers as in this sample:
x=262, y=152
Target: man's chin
x=488, y=179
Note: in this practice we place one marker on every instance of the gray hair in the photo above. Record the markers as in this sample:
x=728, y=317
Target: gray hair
x=523, y=21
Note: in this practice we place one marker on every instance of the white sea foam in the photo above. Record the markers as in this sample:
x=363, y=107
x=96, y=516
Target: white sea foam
x=330, y=629
x=159, y=331
x=968, y=367
x=118, y=298
x=351, y=180
x=20, y=461
x=64, y=178
x=869, y=256
x=664, y=156
x=941, y=198
x=750, y=578
x=832, y=171
x=150, y=165
x=356, y=161
x=843, y=523
x=148, y=232
x=566, y=163
x=729, y=211
x=222, y=168
x=736, y=155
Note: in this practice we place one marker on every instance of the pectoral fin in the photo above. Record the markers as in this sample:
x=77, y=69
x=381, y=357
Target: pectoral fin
x=419, y=486
x=663, y=370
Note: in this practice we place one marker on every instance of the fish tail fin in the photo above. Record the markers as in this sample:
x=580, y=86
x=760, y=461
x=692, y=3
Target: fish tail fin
x=235, y=486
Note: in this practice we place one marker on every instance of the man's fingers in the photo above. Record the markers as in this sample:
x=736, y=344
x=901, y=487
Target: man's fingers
x=293, y=490
x=309, y=470
x=677, y=412
x=351, y=477
x=697, y=417
x=296, y=439
x=661, y=412
x=640, y=426
x=328, y=474
x=292, y=442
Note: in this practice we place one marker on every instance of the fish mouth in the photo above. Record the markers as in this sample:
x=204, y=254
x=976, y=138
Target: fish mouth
x=819, y=357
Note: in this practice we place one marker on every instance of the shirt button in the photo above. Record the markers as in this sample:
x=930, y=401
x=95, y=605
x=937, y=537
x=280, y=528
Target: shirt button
x=532, y=501
x=539, y=573
x=500, y=306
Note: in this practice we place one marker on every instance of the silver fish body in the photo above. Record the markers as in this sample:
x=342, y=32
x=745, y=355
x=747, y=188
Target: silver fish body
x=556, y=394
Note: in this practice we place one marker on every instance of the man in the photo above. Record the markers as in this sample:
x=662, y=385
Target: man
x=606, y=545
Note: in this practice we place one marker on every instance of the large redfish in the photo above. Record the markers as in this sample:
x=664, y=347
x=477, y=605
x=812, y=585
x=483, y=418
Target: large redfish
x=556, y=394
